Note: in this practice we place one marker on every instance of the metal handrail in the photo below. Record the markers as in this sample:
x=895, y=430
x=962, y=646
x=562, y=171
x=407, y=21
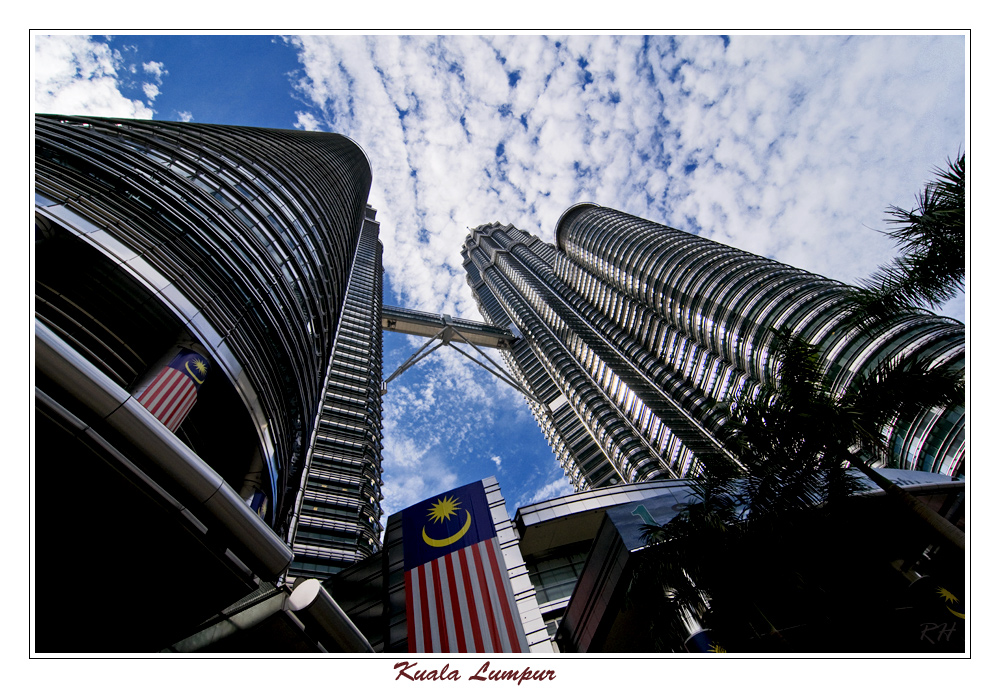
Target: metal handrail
x=262, y=550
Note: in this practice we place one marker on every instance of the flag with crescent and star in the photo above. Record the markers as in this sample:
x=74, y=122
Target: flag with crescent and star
x=172, y=393
x=458, y=593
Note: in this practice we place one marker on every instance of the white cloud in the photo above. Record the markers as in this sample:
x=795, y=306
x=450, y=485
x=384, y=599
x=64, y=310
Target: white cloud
x=556, y=488
x=156, y=69
x=789, y=147
x=437, y=417
x=308, y=122
x=185, y=116
x=75, y=75
x=798, y=143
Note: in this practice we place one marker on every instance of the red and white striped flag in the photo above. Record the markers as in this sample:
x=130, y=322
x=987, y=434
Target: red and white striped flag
x=458, y=594
x=173, y=392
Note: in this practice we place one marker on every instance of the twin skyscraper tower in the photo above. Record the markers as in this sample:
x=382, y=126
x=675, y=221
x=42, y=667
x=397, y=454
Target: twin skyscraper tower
x=634, y=333
x=254, y=252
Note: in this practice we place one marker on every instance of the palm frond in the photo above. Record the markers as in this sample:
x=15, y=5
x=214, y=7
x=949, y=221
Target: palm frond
x=931, y=236
x=796, y=439
x=895, y=390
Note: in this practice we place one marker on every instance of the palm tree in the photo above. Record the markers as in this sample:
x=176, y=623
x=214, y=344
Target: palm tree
x=796, y=437
x=931, y=269
x=796, y=434
x=693, y=553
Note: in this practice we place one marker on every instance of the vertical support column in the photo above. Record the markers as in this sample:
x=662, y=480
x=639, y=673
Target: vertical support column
x=252, y=490
x=170, y=388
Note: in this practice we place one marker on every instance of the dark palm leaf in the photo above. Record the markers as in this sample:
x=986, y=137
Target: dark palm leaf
x=931, y=236
x=897, y=390
x=796, y=439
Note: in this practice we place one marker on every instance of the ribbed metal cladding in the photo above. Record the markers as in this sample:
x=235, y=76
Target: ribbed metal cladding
x=708, y=311
x=604, y=411
x=246, y=234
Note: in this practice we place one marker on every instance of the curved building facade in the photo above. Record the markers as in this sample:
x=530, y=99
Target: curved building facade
x=646, y=328
x=211, y=280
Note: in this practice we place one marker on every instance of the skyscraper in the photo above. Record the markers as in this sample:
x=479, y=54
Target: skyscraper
x=337, y=519
x=207, y=320
x=633, y=332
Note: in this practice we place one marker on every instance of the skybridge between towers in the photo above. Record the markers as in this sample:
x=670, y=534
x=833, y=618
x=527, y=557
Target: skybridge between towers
x=444, y=330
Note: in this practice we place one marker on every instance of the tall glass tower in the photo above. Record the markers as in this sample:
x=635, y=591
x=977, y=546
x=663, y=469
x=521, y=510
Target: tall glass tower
x=337, y=520
x=634, y=331
x=208, y=361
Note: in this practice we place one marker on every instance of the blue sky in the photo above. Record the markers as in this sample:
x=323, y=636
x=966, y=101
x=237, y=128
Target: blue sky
x=789, y=146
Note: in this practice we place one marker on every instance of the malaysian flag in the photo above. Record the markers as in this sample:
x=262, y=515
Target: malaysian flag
x=172, y=393
x=258, y=503
x=458, y=595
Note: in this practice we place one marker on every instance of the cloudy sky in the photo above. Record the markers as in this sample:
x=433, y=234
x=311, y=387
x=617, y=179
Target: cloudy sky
x=790, y=147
